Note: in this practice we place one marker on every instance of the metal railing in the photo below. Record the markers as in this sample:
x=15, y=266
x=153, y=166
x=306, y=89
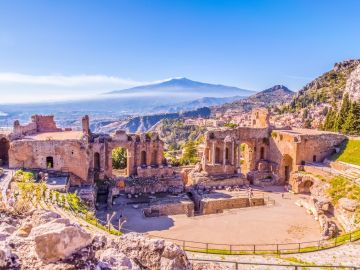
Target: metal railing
x=260, y=249
x=239, y=249
x=248, y=265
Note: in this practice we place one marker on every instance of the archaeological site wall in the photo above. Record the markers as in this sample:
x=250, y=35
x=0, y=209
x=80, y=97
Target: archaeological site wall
x=215, y=206
x=185, y=207
x=59, y=155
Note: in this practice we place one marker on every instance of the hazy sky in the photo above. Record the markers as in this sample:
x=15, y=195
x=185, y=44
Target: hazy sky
x=79, y=48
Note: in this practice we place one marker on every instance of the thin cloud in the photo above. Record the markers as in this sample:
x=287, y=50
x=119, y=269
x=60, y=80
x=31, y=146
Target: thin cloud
x=19, y=87
x=64, y=81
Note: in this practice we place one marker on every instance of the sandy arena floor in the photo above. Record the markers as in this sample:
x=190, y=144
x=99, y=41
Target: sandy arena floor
x=282, y=223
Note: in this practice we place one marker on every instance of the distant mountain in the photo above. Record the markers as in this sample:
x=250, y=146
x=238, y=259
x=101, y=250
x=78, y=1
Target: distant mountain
x=146, y=122
x=274, y=96
x=184, y=87
x=195, y=104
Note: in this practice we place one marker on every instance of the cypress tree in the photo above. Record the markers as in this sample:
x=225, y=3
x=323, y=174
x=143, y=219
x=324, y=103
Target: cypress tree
x=330, y=120
x=344, y=110
x=348, y=124
x=355, y=127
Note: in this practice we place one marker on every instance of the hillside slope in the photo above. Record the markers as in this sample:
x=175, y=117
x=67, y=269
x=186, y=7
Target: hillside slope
x=318, y=104
x=147, y=122
x=274, y=96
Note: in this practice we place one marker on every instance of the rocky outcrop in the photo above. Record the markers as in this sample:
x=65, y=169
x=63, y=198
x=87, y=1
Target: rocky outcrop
x=319, y=209
x=43, y=240
x=112, y=259
x=353, y=85
x=345, y=213
x=153, y=253
x=58, y=239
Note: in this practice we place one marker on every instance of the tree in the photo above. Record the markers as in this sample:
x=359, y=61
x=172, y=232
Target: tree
x=343, y=113
x=330, y=120
x=119, y=158
x=352, y=122
x=189, y=153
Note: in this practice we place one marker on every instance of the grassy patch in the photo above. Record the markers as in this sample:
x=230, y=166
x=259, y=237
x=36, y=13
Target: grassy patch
x=297, y=261
x=350, y=153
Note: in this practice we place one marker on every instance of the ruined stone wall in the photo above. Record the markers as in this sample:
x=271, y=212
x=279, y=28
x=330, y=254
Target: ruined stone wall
x=223, y=153
x=45, y=123
x=315, y=148
x=38, y=124
x=145, y=154
x=152, y=185
x=283, y=148
x=215, y=206
x=20, y=130
x=168, y=209
x=260, y=118
x=68, y=156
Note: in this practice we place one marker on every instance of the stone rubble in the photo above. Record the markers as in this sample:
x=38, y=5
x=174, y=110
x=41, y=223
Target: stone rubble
x=44, y=240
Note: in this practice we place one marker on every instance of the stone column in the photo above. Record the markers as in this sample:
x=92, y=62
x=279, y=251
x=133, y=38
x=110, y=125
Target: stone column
x=232, y=152
x=224, y=153
x=238, y=156
x=213, y=154
x=205, y=155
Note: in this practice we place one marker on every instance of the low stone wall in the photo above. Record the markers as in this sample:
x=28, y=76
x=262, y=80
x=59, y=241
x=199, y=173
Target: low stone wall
x=316, y=171
x=160, y=171
x=167, y=209
x=152, y=185
x=235, y=181
x=341, y=166
x=214, y=206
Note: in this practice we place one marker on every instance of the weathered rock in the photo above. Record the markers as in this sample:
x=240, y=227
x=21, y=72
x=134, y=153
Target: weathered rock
x=40, y=216
x=24, y=230
x=353, y=84
x=113, y=259
x=58, y=239
x=7, y=258
x=153, y=253
x=345, y=213
x=348, y=204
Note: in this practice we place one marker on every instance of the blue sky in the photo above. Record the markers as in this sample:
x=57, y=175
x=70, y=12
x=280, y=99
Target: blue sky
x=81, y=48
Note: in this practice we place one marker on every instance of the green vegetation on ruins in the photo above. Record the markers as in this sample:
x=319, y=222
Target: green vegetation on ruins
x=32, y=194
x=350, y=153
x=340, y=187
x=178, y=138
x=119, y=158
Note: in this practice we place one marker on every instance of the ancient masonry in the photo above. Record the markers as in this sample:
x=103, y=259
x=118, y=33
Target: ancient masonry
x=86, y=156
x=260, y=155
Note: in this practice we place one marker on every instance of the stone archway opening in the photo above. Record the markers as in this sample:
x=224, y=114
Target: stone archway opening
x=245, y=151
x=286, y=168
x=119, y=159
x=217, y=155
x=143, y=159
x=4, y=151
x=305, y=186
x=154, y=158
x=49, y=162
x=97, y=164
